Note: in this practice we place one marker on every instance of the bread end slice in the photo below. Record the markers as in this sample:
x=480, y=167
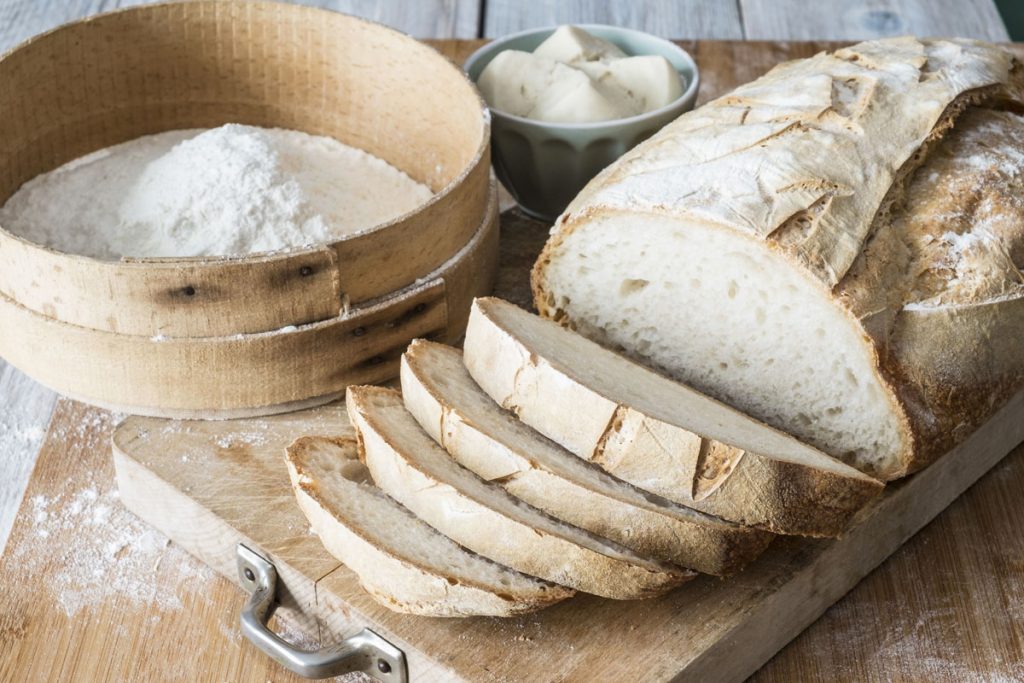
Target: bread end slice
x=402, y=562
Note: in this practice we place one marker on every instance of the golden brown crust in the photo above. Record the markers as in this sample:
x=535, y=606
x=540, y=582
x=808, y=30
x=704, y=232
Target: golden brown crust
x=488, y=521
x=948, y=264
x=651, y=527
x=399, y=580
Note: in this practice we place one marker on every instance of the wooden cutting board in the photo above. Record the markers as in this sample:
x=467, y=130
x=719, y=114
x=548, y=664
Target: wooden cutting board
x=212, y=485
x=88, y=593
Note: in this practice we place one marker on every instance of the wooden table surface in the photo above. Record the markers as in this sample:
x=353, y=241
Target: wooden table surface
x=948, y=606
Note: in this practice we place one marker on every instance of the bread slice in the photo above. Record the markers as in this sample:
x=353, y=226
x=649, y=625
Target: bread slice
x=757, y=249
x=493, y=443
x=406, y=463
x=402, y=562
x=655, y=433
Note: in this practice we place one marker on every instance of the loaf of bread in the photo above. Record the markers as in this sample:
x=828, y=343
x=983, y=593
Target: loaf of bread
x=834, y=248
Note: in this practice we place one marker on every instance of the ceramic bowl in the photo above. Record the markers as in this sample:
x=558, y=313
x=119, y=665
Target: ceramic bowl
x=544, y=164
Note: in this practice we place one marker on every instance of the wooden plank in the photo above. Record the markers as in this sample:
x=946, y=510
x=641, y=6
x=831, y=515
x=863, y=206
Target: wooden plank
x=22, y=19
x=25, y=409
x=257, y=450
x=421, y=19
x=864, y=19
x=717, y=20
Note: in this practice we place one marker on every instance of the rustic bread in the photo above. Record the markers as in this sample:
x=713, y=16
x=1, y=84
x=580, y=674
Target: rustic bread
x=493, y=443
x=402, y=562
x=755, y=249
x=656, y=433
x=947, y=267
x=406, y=463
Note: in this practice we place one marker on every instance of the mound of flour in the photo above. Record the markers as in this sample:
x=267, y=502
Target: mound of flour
x=224, y=191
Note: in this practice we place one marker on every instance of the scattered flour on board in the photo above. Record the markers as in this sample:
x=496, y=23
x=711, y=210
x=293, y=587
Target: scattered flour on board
x=106, y=551
x=92, y=549
x=249, y=438
x=224, y=191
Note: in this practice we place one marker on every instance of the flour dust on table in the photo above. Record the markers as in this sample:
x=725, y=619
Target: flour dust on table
x=225, y=191
x=92, y=550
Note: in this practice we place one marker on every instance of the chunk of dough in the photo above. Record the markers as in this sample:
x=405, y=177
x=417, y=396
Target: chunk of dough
x=571, y=45
x=542, y=89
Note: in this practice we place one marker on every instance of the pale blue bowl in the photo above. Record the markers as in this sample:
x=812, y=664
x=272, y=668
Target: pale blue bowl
x=543, y=164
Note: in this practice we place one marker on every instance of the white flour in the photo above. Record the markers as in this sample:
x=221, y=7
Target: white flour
x=91, y=549
x=224, y=191
x=105, y=551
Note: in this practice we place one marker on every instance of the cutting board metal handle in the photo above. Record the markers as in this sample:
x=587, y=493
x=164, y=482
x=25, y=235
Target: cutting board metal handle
x=366, y=651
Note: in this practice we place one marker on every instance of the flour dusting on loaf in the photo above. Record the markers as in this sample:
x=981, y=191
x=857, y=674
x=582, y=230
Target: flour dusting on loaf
x=779, y=248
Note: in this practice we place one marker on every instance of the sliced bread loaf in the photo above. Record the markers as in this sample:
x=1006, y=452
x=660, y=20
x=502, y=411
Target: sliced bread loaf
x=406, y=463
x=655, y=433
x=402, y=562
x=493, y=443
x=775, y=248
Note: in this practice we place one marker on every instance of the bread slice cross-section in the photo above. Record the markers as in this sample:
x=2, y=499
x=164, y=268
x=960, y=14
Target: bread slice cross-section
x=407, y=464
x=655, y=433
x=489, y=440
x=402, y=562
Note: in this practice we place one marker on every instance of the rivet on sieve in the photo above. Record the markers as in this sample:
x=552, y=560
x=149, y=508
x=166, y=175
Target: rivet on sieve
x=306, y=271
x=249, y=575
x=189, y=290
x=383, y=666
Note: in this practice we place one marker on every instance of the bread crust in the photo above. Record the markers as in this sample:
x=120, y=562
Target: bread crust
x=614, y=573
x=809, y=161
x=646, y=524
x=395, y=577
x=762, y=491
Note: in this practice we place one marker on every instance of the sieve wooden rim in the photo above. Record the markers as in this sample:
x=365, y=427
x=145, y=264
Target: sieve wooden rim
x=253, y=374
x=213, y=296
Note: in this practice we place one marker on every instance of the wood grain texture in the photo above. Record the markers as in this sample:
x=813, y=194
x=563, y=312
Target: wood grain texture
x=686, y=635
x=420, y=19
x=907, y=621
x=948, y=607
x=22, y=19
x=864, y=19
x=666, y=18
